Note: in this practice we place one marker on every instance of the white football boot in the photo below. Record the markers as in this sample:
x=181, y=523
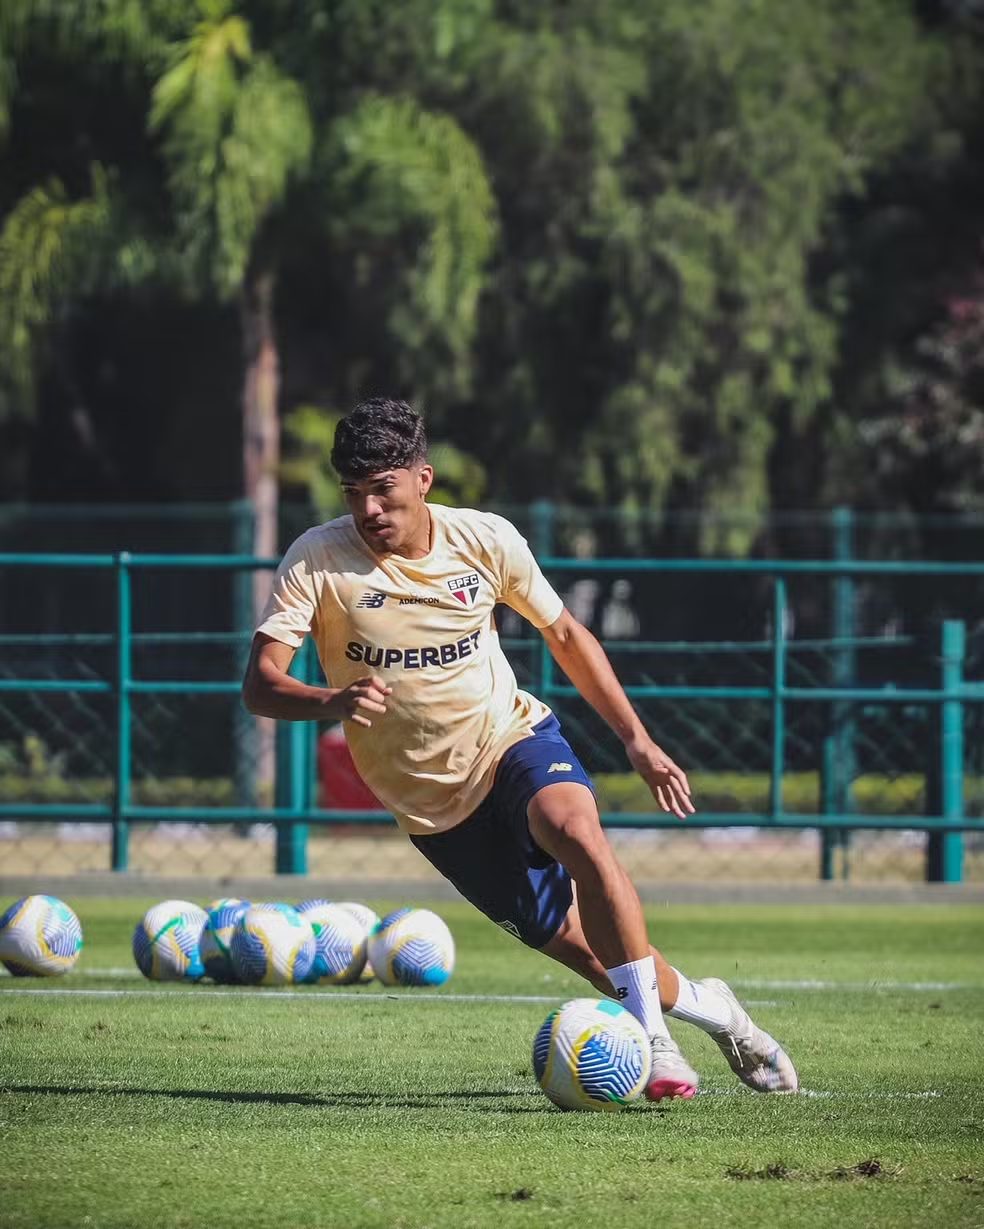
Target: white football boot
x=757, y=1059
x=671, y=1075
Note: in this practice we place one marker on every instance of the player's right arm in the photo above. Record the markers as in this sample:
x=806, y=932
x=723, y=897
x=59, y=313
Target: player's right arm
x=270, y=691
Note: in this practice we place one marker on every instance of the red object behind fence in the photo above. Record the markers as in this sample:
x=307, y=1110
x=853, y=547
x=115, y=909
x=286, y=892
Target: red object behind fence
x=339, y=785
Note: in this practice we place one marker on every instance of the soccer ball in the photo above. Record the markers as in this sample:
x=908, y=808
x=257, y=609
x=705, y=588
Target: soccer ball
x=217, y=935
x=272, y=945
x=368, y=918
x=591, y=1054
x=40, y=936
x=314, y=903
x=341, y=945
x=411, y=947
x=166, y=941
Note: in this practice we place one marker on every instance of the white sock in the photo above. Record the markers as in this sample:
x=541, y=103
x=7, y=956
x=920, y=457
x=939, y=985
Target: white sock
x=700, y=1005
x=637, y=989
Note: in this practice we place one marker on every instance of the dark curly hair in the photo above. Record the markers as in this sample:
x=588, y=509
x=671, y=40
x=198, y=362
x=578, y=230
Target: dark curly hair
x=378, y=434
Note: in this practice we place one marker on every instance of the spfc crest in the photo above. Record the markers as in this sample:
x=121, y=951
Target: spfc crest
x=464, y=589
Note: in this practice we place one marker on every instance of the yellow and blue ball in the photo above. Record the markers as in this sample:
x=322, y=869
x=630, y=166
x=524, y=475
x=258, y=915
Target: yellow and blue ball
x=223, y=915
x=40, y=936
x=591, y=1054
x=272, y=945
x=167, y=941
x=411, y=947
x=368, y=918
x=340, y=943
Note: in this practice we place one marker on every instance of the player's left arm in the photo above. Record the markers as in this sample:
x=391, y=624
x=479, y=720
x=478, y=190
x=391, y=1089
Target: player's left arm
x=586, y=664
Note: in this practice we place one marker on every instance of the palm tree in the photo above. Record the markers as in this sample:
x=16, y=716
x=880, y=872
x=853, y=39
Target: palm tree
x=246, y=154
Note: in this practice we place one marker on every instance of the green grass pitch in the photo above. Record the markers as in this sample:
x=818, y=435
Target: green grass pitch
x=150, y=1105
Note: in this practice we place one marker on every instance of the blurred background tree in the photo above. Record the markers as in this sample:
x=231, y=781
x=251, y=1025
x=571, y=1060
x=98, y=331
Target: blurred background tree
x=634, y=254
x=256, y=165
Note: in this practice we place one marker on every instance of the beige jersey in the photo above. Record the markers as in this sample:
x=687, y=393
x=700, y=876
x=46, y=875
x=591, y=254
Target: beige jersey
x=425, y=627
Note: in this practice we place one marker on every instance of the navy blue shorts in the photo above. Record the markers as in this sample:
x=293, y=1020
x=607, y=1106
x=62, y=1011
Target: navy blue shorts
x=492, y=859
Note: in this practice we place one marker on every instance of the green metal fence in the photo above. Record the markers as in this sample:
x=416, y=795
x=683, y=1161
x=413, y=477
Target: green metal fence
x=840, y=734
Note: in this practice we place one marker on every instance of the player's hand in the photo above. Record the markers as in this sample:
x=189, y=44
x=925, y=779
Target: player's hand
x=667, y=781
x=362, y=700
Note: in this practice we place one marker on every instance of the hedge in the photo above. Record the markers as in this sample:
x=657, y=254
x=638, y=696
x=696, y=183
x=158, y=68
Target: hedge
x=713, y=792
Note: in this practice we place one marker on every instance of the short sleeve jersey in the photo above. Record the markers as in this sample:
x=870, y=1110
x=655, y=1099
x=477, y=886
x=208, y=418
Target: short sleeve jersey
x=424, y=626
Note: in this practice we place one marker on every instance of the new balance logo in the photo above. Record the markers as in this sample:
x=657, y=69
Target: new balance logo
x=370, y=601
x=560, y=768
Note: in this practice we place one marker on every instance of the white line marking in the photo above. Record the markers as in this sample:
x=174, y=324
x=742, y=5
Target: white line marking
x=742, y=983
x=874, y=984
x=265, y=992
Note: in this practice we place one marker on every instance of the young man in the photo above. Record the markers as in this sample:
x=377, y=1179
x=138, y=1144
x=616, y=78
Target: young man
x=399, y=597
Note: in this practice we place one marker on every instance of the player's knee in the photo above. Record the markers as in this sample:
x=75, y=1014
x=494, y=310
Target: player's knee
x=576, y=835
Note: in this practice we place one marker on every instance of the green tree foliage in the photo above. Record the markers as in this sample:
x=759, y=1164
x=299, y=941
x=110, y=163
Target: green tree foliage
x=401, y=170
x=235, y=131
x=232, y=97
x=925, y=450
x=690, y=182
x=643, y=253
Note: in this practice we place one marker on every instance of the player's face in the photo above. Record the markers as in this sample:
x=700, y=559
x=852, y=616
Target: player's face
x=388, y=509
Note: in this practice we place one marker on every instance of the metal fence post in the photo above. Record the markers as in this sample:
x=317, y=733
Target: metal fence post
x=944, y=850
x=292, y=791
x=121, y=792
x=837, y=766
x=312, y=675
x=542, y=527
x=245, y=746
x=542, y=533
x=778, y=699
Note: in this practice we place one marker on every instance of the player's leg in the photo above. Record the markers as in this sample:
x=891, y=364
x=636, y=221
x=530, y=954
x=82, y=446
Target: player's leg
x=755, y=1057
x=569, y=947
x=494, y=862
x=563, y=822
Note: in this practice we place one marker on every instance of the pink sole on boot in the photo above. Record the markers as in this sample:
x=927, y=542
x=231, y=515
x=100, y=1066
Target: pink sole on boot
x=662, y=1090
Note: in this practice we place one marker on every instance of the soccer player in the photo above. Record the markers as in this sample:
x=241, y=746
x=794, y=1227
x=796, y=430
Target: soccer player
x=399, y=598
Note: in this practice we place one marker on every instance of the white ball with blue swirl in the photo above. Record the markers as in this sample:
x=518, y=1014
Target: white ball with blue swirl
x=40, y=936
x=591, y=1054
x=340, y=944
x=272, y=945
x=411, y=947
x=368, y=918
x=167, y=941
x=223, y=915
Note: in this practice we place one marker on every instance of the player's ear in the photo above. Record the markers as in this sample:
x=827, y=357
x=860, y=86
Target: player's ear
x=425, y=476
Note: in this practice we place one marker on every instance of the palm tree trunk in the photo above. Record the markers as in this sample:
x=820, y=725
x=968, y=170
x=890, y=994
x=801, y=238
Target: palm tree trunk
x=261, y=428
x=261, y=456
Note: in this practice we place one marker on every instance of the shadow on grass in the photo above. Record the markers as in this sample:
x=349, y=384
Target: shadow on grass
x=328, y=1100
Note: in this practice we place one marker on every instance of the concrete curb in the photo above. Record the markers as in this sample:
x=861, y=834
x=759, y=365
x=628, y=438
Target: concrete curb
x=297, y=887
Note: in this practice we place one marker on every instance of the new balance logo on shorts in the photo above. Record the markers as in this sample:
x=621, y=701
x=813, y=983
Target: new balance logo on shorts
x=370, y=601
x=560, y=768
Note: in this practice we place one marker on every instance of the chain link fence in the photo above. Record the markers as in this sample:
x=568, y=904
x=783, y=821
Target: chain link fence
x=697, y=651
